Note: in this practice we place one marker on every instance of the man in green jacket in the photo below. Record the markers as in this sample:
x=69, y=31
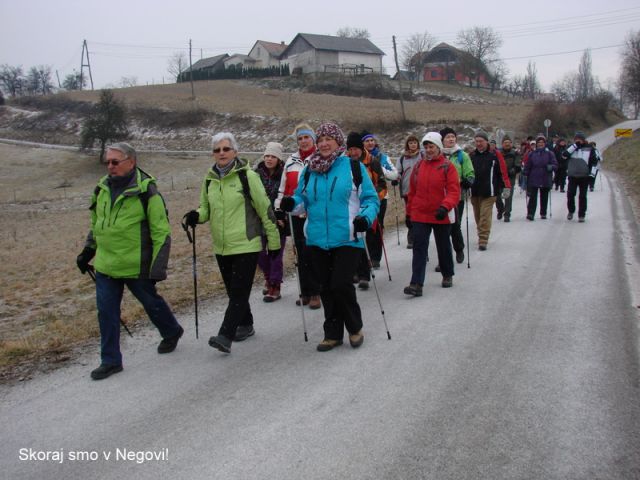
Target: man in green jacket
x=130, y=238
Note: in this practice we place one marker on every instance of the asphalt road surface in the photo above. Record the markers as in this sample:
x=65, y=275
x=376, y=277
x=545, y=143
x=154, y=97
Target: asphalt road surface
x=526, y=369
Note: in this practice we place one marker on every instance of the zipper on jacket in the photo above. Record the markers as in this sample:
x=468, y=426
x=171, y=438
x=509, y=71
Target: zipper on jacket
x=333, y=185
x=117, y=212
x=104, y=214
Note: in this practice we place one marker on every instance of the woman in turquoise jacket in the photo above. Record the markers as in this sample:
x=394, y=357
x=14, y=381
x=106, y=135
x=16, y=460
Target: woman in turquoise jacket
x=234, y=202
x=340, y=202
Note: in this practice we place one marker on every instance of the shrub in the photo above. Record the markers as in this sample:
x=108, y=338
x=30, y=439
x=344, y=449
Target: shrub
x=157, y=117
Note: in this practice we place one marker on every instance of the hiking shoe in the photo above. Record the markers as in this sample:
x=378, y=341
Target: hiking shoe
x=437, y=268
x=356, y=339
x=305, y=301
x=169, y=344
x=543, y=217
x=447, y=282
x=507, y=219
x=104, y=371
x=266, y=288
x=355, y=279
x=482, y=248
x=530, y=218
x=363, y=284
x=375, y=264
x=273, y=294
x=581, y=219
x=460, y=254
x=243, y=332
x=413, y=289
x=314, y=302
x=499, y=215
x=220, y=342
x=328, y=344
x=409, y=246
x=569, y=216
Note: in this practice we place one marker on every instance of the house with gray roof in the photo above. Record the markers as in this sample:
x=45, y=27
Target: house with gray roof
x=267, y=54
x=311, y=53
x=205, y=65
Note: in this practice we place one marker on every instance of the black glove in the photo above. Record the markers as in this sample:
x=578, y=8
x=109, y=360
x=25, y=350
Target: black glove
x=191, y=218
x=287, y=204
x=280, y=215
x=441, y=213
x=273, y=254
x=394, y=183
x=407, y=222
x=84, y=258
x=465, y=184
x=360, y=224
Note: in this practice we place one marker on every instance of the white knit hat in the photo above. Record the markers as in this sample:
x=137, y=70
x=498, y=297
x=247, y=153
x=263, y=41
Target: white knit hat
x=433, y=137
x=275, y=149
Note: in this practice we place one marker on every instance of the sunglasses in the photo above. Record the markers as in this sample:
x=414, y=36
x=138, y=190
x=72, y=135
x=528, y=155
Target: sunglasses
x=224, y=149
x=115, y=163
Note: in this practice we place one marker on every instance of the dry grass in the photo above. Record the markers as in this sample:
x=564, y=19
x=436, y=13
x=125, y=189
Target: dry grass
x=623, y=158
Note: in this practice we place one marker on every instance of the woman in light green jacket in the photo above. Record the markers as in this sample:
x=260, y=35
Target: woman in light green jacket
x=235, y=204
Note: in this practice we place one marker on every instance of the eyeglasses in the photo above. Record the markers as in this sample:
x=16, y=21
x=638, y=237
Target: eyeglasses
x=115, y=163
x=224, y=149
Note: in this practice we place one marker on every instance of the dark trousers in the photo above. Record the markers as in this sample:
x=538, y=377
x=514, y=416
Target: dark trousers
x=334, y=269
x=592, y=181
x=421, y=234
x=505, y=206
x=374, y=238
x=532, y=204
x=583, y=184
x=272, y=268
x=560, y=178
x=108, y=299
x=238, y=272
x=456, y=229
x=308, y=283
x=409, y=228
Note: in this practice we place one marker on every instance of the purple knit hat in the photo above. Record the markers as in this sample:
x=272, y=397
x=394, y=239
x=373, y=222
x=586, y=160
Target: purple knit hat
x=331, y=130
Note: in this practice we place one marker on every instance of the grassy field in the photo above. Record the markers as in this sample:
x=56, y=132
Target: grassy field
x=623, y=158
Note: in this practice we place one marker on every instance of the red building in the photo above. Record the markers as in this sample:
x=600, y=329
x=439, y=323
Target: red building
x=445, y=63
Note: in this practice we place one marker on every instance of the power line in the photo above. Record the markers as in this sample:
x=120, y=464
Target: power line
x=562, y=53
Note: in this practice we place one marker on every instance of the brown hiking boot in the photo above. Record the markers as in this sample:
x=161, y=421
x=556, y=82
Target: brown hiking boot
x=305, y=300
x=328, y=344
x=356, y=339
x=314, y=302
x=447, y=282
x=273, y=294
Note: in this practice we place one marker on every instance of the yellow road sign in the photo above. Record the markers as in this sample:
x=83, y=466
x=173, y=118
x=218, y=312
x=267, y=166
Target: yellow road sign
x=624, y=132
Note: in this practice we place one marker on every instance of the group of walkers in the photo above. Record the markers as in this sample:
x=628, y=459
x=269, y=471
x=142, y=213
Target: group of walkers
x=330, y=196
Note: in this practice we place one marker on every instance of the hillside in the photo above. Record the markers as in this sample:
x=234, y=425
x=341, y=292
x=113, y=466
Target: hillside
x=165, y=117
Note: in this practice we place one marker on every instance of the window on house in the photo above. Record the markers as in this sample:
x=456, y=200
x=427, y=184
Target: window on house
x=434, y=74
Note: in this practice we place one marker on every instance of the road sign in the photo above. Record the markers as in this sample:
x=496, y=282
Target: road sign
x=624, y=132
x=547, y=123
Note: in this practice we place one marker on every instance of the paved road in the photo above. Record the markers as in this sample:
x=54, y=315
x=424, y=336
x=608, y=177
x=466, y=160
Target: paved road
x=526, y=369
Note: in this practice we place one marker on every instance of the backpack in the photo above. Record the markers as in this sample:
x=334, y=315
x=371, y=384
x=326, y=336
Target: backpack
x=356, y=173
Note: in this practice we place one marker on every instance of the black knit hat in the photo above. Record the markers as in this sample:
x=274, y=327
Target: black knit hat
x=354, y=139
x=447, y=130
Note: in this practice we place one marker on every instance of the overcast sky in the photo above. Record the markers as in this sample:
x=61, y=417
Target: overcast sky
x=137, y=37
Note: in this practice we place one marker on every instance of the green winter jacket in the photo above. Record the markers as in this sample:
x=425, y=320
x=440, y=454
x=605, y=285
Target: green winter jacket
x=237, y=223
x=462, y=162
x=129, y=242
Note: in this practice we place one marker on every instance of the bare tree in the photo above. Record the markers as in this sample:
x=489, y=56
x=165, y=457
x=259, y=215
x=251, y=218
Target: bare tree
x=586, y=83
x=131, y=81
x=630, y=72
x=498, y=72
x=12, y=79
x=178, y=63
x=566, y=89
x=413, y=52
x=353, y=32
x=482, y=43
x=531, y=85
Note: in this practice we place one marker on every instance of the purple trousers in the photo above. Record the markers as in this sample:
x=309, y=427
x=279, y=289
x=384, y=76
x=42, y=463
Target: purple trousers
x=272, y=267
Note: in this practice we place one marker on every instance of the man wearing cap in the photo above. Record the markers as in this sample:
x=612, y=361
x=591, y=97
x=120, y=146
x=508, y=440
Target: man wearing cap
x=130, y=238
x=513, y=163
x=582, y=163
x=491, y=180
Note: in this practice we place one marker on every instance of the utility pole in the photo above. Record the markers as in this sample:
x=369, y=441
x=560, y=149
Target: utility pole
x=58, y=77
x=395, y=56
x=85, y=48
x=193, y=95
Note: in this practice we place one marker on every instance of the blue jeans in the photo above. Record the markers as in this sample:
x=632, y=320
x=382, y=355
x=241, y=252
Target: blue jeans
x=108, y=298
x=421, y=234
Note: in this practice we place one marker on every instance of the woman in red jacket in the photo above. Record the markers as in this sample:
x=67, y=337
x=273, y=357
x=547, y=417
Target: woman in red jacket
x=434, y=191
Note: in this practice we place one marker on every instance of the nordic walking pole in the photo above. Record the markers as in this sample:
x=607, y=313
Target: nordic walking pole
x=466, y=205
x=384, y=250
x=192, y=240
x=92, y=274
x=373, y=278
x=395, y=201
x=297, y=264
